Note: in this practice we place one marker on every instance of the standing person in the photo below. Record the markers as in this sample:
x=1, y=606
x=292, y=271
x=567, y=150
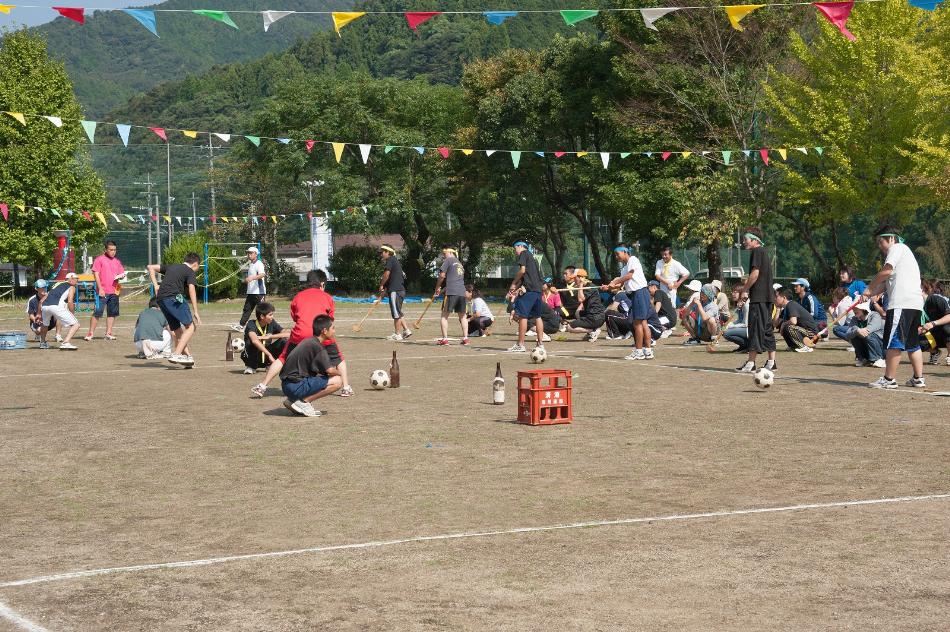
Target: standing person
x=937, y=317
x=757, y=290
x=525, y=292
x=393, y=285
x=60, y=303
x=309, y=372
x=152, y=339
x=178, y=281
x=905, y=302
x=452, y=276
x=481, y=318
x=107, y=269
x=634, y=283
x=797, y=323
x=256, y=290
x=670, y=273
x=264, y=339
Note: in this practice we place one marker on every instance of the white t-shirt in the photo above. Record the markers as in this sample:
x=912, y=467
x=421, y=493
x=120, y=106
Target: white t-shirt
x=256, y=287
x=637, y=281
x=480, y=308
x=670, y=273
x=903, y=286
x=843, y=306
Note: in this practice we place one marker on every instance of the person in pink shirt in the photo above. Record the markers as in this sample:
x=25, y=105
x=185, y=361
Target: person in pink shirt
x=550, y=295
x=107, y=269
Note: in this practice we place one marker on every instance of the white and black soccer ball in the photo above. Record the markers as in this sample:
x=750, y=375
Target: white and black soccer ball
x=379, y=379
x=237, y=344
x=539, y=355
x=763, y=378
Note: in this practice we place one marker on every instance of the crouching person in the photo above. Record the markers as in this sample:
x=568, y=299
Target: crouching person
x=866, y=337
x=308, y=372
x=152, y=338
x=264, y=339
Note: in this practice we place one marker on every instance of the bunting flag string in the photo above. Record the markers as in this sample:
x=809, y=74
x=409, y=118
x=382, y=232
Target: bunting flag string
x=835, y=12
x=365, y=149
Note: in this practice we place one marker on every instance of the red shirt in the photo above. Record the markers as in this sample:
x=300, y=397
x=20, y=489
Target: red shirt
x=307, y=305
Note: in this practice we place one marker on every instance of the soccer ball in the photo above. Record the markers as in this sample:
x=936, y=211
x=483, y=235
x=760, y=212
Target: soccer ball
x=379, y=379
x=539, y=355
x=763, y=378
x=237, y=344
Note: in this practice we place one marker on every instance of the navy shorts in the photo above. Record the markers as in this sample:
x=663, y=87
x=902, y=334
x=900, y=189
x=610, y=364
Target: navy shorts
x=108, y=304
x=528, y=305
x=900, y=329
x=640, y=307
x=177, y=314
x=296, y=391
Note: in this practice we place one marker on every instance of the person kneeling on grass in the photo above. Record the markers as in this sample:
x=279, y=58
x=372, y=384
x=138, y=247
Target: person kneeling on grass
x=701, y=317
x=264, y=339
x=152, y=338
x=308, y=373
x=797, y=322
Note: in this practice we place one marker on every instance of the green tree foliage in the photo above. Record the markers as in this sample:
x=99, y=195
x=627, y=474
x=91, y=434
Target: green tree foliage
x=223, y=267
x=42, y=165
x=356, y=269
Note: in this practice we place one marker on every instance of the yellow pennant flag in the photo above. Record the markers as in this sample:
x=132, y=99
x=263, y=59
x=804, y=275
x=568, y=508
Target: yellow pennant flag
x=739, y=11
x=581, y=154
x=168, y=218
x=224, y=219
x=102, y=218
x=687, y=154
x=338, y=150
x=274, y=217
x=22, y=207
x=189, y=133
x=5, y=8
x=783, y=153
x=468, y=152
x=18, y=116
x=342, y=18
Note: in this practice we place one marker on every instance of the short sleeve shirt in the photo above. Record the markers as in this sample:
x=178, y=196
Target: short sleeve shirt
x=669, y=272
x=794, y=310
x=257, y=286
x=454, y=277
x=638, y=280
x=480, y=307
x=308, y=359
x=903, y=286
x=936, y=306
x=58, y=295
x=305, y=306
x=108, y=268
x=397, y=280
x=254, y=326
x=761, y=291
x=531, y=281
x=175, y=280
x=150, y=325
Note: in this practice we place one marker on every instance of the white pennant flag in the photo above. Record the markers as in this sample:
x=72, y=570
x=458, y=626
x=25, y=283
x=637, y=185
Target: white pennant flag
x=489, y=152
x=272, y=16
x=225, y=137
x=364, y=152
x=605, y=158
x=652, y=15
x=178, y=219
x=803, y=150
x=55, y=120
x=116, y=217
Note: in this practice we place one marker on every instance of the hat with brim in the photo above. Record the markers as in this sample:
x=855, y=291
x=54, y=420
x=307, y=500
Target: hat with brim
x=254, y=250
x=802, y=282
x=694, y=285
x=864, y=307
x=718, y=284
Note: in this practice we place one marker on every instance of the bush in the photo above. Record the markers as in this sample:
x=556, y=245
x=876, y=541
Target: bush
x=223, y=267
x=281, y=278
x=356, y=268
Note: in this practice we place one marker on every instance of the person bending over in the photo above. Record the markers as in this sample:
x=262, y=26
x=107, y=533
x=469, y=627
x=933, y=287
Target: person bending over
x=481, y=319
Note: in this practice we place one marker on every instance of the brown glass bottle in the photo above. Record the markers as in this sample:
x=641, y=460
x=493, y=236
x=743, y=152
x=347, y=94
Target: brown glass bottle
x=394, y=372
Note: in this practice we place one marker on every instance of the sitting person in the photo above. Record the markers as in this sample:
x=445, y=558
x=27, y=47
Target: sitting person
x=809, y=301
x=701, y=318
x=796, y=322
x=737, y=332
x=936, y=315
x=550, y=295
x=308, y=372
x=617, y=316
x=722, y=302
x=591, y=313
x=264, y=339
x=480, y=318
x=865, y=336
x=663, y=306
x=153, y=339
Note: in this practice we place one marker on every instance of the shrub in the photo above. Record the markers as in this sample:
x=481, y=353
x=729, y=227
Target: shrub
x=223, y=267
x=356, y=268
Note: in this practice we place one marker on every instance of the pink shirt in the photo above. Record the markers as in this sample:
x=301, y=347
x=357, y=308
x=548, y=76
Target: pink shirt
x=108, y=270
x=554, y=301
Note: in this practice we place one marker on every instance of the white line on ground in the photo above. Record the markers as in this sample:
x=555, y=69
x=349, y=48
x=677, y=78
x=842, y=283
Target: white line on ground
x=18, y=620
x=462, y=536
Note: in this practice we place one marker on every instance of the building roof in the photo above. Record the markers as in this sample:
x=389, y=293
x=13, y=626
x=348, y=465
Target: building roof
x=341, y=241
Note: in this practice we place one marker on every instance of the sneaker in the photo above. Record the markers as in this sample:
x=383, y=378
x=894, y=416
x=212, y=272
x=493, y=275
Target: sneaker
x=879, y=363
x=187, y=361
x=804, y=350
x=948, y=360
x=346, y=391
x=59, y=338
x=594, y=335
x=67, y=346
x=884, y=382
x=304, y=408
x=648, y=354
x=627, y=336
x=466, y=342
x=44, y=345
x=636, y=354
x=237, y=327
x=394, y=337
x=406, y=333
x=915, y=382
x=653, y=343
x=748, y=367
x=934, y=358
x=531, y=333
x=248, y=371
x=258, y=391
x=770, y=365
x=141, y=356
x=166, y=354
x=562, y=327
x=175, y=358
x=289, y=405
x=545, y=338
x=850, y=349
x=110, y=337
x=516, y=348
x=87, y=338
x=443, y=342
x=691, y=342
x=666, y=333
x=610, y=336
x=860, y=363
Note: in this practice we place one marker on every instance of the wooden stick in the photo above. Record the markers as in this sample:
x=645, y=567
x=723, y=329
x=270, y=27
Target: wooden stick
x=359, y=327
x=418, y=322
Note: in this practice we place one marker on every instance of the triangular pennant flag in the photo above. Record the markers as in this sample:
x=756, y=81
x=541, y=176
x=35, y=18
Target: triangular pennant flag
x=190, y=133
x=5, y=211
x=123, y=132
x=129, y=217
x=73, y=13
x=444, y=151
x=87, y=215
x=558, y=154
x=649, y=154
x=581, y=154
x=55, y=212
x=687, y=154
x=804, y=150
x=820, y=150
x=739, y=11
x=342, y=18
x=144, y=17
x=102, y=218
x=666, y=155
x=18, y=116
x=747, y=152
x=178, y=219
x=115, y=217
x=837, y=13
x=168, y=218
x=5, y=8
x=273, y=218
x=539, y=153
x=283, y=141
x=387, y=149
x=516, y=158
x=624, y=154
x=338, y=150
x=364, y=152
x=160, y=132
x=310, y=144
x=497, y=17
x=726, y=156
x=22, y=207
x=225, y=137
x=652, y=15
x=605, y=158
x=421, y=150
x=224, y=219
x=489, y=152
x=703, y=153
x=573, y=17
x=90, y=128
x=256, y=140
x=765, y=156
x=217, y=16
x=55, y=120
x=272, y=16
x=468, y=152
x=926, y=5
x=416, y=18
x=783, y=153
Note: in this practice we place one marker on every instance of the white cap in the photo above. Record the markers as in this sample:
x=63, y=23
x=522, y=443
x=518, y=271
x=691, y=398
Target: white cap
x=865, y=306
x=694, y=285
x=71, y=275
x=776, y=286
x=718, y=284
x=254, y=250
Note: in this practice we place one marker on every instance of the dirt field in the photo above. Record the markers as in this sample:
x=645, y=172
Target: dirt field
x=426, y=508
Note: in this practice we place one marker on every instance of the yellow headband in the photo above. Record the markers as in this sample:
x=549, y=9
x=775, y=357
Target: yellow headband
x=387, y=249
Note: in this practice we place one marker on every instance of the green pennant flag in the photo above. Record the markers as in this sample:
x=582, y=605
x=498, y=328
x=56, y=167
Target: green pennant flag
x=90, y=128
x=573, y=17
x=726, y=156
x=254, y=139
x=128, y=217
x=387, y=149
x=624, y=154
x=516, y=158
x=820, y=150
x=220, y=16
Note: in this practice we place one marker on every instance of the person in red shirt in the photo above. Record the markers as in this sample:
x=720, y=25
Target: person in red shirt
x=308, y=304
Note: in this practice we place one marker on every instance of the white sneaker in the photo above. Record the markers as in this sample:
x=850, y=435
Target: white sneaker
x=883, y=382
x=531, y=333
x=394, y=337
x=237, y=327
x=594, y=335
x=187, y=361
x=666, y=333
x=248, y=371
x=406, y=333
x=258, y=391
x=748, y=367
x=516, y=348
x=545, y=338
x=880, y=364
x=305, y=408
x=915, y=382
x=648, y=354
x=804, y=350
x=636, y=354
x=67, y=346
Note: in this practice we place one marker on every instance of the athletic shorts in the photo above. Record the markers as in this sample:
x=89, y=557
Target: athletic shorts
x=395, y=304
x=528, y=305
x=640, y=307
x=296, y=391
x=900, y=329
x=336, y=358
x=761, y=332
x=453, y=305
x=108, y=304
x=61, y=313
x=177, y=314
x=588, y=322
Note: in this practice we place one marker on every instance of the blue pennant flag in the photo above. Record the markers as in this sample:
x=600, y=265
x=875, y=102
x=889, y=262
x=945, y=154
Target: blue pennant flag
x=498, y=17
x=539, y=153
x=927, y=5
x=145, y=18
x=285, y=141
x=124, y=132
x=421, y=150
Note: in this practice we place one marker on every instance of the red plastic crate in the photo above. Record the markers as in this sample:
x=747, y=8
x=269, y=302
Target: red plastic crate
x=544, y=397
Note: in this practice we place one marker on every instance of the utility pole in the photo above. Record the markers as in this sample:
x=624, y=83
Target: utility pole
x=168, y=187
x=148, y=206
x=194, y=214
x=214, y=207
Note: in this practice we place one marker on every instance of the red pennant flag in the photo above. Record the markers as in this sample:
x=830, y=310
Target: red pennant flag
x=154, y=218
x=160, y=132
x=837, y=13
x=73, y=13
x=87, y=215
x=310, y=145
x=415, y=19
x=444, y=151
x=558, y=154
x=666, y=154
x=309, y=215
x=214, y=219
x=765, y=156
x=5, y=211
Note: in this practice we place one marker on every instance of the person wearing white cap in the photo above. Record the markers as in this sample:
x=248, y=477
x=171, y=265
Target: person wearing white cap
x=60, y=303
x=256, y=291
x=864, y=334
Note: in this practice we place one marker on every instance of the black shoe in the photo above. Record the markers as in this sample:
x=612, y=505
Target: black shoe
x=771, y=366
x=747, y=367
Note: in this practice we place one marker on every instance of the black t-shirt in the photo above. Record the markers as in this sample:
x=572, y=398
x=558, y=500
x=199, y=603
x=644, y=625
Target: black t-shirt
x=531, y=281
x=550, y=319
x=307, y=359
x=794, y=310
x=175, y=280
x=570, y=300
x=56, y=294
x=397, y=280
x=761, y=291
x=936, y=307
x=593, y=306
x=252, y=326
x=666, y=306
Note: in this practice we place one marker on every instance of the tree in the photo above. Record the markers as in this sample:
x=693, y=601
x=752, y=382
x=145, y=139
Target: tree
x=41, y=165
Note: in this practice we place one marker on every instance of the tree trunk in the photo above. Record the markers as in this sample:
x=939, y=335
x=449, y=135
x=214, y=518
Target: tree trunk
x=475, y=250
x=412, y=264
x=714, y=259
